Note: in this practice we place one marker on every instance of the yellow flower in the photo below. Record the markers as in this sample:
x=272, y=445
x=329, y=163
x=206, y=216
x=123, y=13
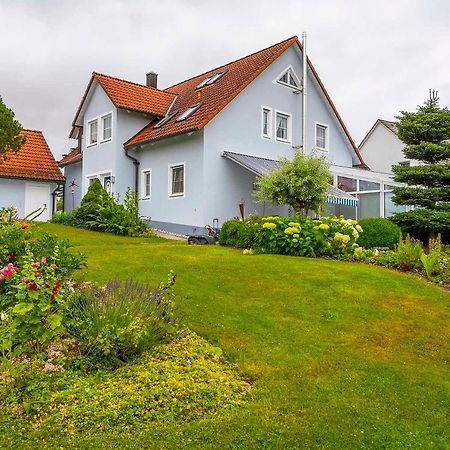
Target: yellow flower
x=324, y=226
x=296, y=236
x=359, y=228
x=294, y=224
x=354, y=222
x=355, y=234
x=358, y=251
x=295, y=240
x=338, y=236
x=269, y=225
x=345, y=238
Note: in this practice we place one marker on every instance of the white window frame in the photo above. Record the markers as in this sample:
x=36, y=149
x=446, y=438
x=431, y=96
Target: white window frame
x=170, y=168
x=89, y=123
x=144, y=184
x=270, y=124
x=289, y=127
x=287, y=85
x=327, y=137
x=101, y=127
x=99, y=175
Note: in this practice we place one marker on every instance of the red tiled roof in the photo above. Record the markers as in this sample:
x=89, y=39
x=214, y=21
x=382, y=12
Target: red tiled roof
x=213, y=98
x=239, y=74
x=34, y=161
x=131, y=96
x=75, y=155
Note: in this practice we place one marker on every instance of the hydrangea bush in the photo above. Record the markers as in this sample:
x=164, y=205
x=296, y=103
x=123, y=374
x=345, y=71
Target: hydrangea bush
x=328, y=236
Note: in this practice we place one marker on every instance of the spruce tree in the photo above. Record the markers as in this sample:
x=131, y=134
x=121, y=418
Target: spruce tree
x=426, y=134
x=10, y=138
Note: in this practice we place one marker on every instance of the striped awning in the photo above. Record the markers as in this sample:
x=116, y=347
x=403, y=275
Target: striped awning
x=263, y=166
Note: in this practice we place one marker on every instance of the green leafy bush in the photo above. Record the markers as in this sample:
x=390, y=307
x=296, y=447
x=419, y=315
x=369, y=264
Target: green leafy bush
x=100, y=212
x=121, y=320
x=19, y=238
x=435, y=262
x=32, y=304
x=378, y=232
x=229, y=232
x=330, y=236
x=408, y=253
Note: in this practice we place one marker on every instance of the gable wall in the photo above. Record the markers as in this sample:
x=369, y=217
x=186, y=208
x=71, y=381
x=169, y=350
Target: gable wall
x=237, y=128
x=382, y=149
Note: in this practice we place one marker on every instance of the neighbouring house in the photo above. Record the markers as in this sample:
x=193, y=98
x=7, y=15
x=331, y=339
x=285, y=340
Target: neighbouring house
x=382, y=149
x=30, y=179
x=192, y=151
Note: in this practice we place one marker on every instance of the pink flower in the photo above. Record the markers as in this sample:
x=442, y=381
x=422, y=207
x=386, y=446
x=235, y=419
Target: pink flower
x=8, y=270
x=44, y=260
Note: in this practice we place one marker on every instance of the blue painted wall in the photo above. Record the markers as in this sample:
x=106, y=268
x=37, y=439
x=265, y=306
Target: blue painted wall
x=73, y=172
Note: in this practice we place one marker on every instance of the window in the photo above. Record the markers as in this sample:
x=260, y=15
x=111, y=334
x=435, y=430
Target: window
x=164, y=120
x=176, y=177
x=191, y=110
x=283, y=127
x=347, y=184
x=107, y=127
x=368, y=186
x=321, y=136
x=91, y=180
x=146, y=184
x=289, y=78
x=211, y=79
x=369, y=205
x=93, y=132
x=266, y=123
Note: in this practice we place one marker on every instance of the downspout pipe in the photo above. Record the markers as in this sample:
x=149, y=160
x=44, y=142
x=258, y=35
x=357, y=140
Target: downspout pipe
x=304, y=81
x=136, y=171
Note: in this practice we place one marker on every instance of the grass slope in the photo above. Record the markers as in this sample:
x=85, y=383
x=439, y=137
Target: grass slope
x=342, y=355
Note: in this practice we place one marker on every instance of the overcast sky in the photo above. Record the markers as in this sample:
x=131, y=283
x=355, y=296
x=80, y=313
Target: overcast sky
x=375, y=57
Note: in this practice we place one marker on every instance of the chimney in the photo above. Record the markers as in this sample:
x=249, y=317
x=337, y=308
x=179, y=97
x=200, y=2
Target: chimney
x=152, y=79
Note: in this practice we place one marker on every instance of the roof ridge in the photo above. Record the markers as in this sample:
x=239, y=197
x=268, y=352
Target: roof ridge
x=32, y=131
x=131, y=82
x=292, y=38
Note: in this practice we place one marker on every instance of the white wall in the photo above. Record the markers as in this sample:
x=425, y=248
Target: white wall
x=382, y=149
x=13, y=193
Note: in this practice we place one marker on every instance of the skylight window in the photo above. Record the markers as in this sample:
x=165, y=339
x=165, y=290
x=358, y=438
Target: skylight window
x=211, y=79
x=164, y=120
x=290, y=79
x=188, y=113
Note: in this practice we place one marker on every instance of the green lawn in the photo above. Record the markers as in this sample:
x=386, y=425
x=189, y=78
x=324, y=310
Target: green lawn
x=341, y=355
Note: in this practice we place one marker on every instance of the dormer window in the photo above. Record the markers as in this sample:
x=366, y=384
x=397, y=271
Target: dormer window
x=211, y=79
x=188, y=113
x=164, y=120
x=289, y=78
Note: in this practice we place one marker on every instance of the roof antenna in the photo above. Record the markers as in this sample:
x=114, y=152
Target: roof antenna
x=305, y=66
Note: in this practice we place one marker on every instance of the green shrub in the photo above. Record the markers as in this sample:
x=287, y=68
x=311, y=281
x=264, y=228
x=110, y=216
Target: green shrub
x=435, y=262
x=33, y=303
x=408, y=253
x=98, y=211
x=19, y=238
x=229, y=232
x=121, y=320
x=378, y=232
x=330, y=236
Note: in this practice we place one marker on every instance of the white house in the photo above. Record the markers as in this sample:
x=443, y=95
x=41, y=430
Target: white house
x=30, y=179
x=193, y=150
x=382, y=149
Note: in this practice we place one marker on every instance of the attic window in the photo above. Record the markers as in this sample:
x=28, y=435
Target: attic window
x=289, y=78
x=188, y=113
x=164, y=120
x=211, y=79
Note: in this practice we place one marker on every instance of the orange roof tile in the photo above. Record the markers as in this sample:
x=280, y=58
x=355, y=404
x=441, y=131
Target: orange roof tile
x=128, y=95
x=34, y=161
x=75, y=155
x=213, y=98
